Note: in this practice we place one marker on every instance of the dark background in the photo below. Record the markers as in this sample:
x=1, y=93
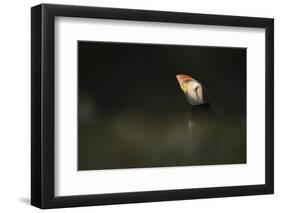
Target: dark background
x=132, y=112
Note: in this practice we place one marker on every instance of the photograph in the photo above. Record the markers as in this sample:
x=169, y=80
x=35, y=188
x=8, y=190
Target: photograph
x=144, y=105
x=139, y=105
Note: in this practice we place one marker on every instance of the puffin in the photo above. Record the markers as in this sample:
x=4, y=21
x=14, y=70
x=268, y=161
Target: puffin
x=210, y=136
x=200, y=111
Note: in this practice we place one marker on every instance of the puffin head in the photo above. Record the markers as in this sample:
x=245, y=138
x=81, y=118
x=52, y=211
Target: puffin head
x=193, y=90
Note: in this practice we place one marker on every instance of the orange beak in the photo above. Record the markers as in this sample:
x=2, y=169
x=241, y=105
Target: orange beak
x=181, y=77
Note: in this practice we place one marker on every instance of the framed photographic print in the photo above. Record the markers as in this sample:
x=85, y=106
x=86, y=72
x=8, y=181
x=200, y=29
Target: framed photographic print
x=140, y=106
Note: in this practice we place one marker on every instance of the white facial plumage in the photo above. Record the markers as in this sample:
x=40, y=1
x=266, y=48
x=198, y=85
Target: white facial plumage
x=194, y=93
x=192, y=89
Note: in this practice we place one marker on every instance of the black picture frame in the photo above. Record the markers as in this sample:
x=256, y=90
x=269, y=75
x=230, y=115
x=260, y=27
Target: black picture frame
x=43, y=117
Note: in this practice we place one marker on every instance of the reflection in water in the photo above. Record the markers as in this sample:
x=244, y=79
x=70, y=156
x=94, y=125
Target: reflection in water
x=135, y=139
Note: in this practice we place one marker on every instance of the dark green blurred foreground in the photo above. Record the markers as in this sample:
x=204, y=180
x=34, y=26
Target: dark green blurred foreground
x=135, y=139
